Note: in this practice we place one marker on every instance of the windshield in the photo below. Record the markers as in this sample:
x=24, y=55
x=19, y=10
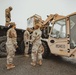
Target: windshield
x=73, y=30
x=30, y=22
x=59, y=29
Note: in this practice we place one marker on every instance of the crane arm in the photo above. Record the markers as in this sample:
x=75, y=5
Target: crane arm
x=52, y=17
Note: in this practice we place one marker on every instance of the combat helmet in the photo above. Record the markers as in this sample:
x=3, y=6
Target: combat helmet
x=10, y=8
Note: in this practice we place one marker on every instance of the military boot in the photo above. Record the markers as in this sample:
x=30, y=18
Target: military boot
x=26, y=55
x=39, y=62
x=10, y=66
x=33, y=63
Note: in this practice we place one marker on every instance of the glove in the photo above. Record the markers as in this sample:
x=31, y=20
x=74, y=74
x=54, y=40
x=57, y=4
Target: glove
x=16, y=46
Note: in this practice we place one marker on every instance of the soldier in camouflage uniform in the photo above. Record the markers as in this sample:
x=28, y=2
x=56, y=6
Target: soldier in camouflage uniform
x=37, y=48
x=26, y=41
x=8, y=15
x=11, y=45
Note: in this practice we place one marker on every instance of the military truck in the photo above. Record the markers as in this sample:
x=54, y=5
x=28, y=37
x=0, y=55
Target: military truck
x=61, y=39
x=58, y=35
x=3, y=38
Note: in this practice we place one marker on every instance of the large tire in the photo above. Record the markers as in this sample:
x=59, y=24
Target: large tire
x=46, y=50
x=3, y=47
x=3, y=52
x=3, y=38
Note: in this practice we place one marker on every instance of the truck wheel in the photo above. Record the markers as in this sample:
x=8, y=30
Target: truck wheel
x=3, y=38
x=46, y=50
x=3, y=52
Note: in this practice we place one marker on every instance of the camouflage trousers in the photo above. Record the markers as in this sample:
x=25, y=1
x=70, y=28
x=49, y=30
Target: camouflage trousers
x=10, y=54
x=7, y=21
x=26, y=47
x=37, y=51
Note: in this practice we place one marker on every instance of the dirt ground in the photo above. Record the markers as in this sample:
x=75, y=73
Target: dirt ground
x=51, y=66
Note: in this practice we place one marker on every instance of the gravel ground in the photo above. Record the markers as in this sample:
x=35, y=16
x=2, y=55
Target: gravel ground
x=51, y=66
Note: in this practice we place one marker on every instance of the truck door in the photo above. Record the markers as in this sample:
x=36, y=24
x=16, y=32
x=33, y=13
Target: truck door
x=58, y=41
x=73, y=31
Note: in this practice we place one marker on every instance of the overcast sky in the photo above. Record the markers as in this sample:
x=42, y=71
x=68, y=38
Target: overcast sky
x=23, y=9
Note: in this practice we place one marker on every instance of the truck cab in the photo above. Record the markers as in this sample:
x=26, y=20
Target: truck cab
x=61, y=40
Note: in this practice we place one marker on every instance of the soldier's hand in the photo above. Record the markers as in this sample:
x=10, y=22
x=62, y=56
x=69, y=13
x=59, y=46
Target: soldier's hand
x=42, y=51
x=16, y=46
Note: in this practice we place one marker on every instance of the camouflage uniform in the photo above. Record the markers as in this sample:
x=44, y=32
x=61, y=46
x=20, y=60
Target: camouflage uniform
x=8, y=16
x=26, y=41
x=37, y=45
x=11, y=45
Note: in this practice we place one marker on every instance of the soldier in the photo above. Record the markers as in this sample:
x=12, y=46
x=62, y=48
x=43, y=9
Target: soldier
x=26, y=41
x=11, y=45
x=37, y=48
x=8, y=15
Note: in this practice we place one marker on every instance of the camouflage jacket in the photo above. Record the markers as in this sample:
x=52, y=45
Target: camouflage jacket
x=36, y=36
x=11, y=37
x=7, y=13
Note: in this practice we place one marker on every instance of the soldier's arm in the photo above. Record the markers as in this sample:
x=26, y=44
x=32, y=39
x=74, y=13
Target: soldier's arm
x=14, y=38
x=9, y=33
x=33, y=37
x=15, y=42
x=39, y=35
